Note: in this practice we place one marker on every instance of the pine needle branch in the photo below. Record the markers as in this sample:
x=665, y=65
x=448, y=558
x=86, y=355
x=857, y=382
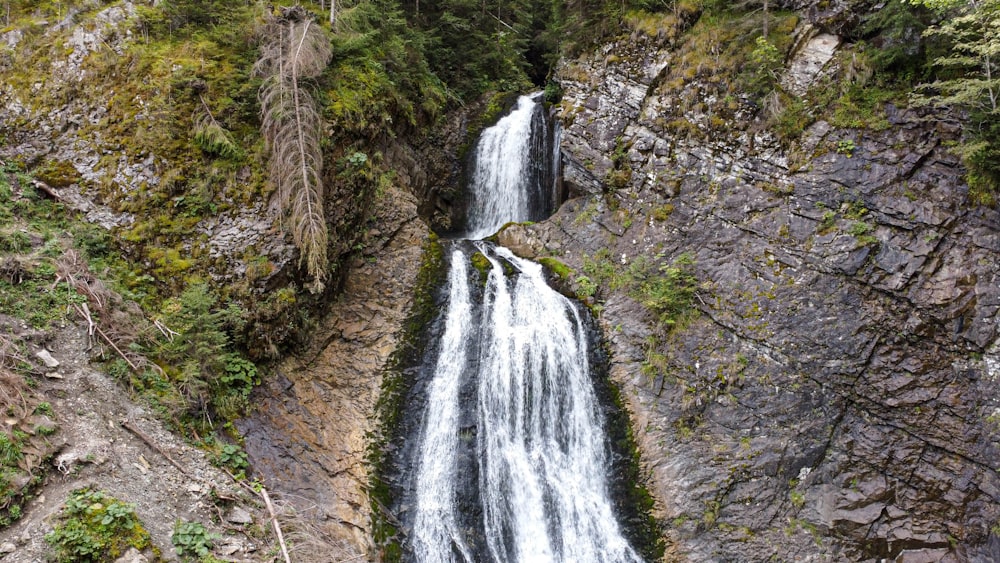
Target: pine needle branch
x=294, y=51
x=212, y=138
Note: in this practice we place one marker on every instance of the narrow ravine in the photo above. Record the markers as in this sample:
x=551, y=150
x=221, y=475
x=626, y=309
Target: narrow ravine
x=511, y=460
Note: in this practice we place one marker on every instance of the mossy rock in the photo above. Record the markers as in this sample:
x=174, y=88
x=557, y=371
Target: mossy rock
x=58, y=174
x=663, y=212
x=482, y=264
x=560, y=270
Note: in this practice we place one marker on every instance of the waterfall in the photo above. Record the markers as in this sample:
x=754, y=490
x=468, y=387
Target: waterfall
x=435, y=529
x=541, y=440
x=512, y=371
x=511, y=170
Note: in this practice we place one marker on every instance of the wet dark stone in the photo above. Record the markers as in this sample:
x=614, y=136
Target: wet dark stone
x=835, y=396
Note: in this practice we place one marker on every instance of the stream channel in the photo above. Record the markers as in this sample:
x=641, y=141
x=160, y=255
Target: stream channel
x=507, y=455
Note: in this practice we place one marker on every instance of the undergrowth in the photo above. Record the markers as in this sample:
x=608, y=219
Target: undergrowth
x=178, y=354
x=665, y=289
x=93, y=527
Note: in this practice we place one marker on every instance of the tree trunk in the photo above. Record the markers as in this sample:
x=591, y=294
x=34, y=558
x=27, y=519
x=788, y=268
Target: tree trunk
x=765, y=19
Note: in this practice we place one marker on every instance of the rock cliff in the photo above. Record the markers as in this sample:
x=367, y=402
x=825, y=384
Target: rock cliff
x=834, y=395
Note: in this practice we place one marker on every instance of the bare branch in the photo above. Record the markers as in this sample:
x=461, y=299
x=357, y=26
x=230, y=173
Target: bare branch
x=294, y=51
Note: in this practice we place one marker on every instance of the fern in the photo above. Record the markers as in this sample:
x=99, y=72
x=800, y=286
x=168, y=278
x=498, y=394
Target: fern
x=294, y=51
x=213, y=139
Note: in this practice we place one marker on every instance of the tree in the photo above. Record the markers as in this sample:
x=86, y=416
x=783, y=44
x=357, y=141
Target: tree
x=972, y=66
x=969, y=77
x=294, y=51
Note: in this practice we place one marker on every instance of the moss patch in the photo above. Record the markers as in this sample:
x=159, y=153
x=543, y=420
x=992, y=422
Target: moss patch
x=560, y=270
x=482, y=264
x=395, y=387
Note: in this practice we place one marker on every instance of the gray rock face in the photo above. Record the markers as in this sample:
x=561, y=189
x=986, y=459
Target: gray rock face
x=815, y=53
x=834, y=396
x=132, y=556
x=65, y=126
x=309, y=432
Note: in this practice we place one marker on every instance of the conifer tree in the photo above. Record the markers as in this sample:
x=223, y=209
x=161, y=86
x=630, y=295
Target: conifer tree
x=969, y=77
x=294, y=51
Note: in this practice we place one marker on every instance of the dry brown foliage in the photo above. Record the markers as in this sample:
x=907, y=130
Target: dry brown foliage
x=294, y=50
x=113, y=322
x=307, y=542
x=13, y=389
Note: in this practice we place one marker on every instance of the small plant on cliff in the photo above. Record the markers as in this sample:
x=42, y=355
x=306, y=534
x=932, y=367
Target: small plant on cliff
x=295, y=50
x=228, y=456
x=95, y=526
x=212, y=138
x=766, y=63
x=846, y=147
x=669, y=294
x=191, y=539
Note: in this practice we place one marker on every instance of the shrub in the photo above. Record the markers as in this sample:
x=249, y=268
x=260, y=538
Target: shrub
x=669, y=294
x=232, y=457
x=191, y=539
x=585, y=287
x=95, y=526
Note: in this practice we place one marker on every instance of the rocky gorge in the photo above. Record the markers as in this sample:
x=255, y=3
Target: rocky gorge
x=830, y=394
x=833, y=397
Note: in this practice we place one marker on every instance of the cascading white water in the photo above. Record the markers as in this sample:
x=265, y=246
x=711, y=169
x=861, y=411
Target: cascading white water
x=503, y=185
x=541, y=440
x=436, y=536
x=540, y=452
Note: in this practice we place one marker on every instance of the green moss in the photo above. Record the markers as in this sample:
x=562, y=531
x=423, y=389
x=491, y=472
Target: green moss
x=827, y=223
x=662, y=212
x=562, y=271
x=58, y=173
x=648, y=532
x=482, y=264
x=394, y=389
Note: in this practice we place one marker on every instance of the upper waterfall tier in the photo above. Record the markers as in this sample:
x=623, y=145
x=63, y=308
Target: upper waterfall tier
x=512, y=176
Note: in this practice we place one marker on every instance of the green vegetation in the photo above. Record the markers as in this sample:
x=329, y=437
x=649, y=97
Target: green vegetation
x=967, y=75
x=560, y=270
x=94, y=526
x=482, y=265
x=182, y=359
x=666, y=290
x=668, y=293
x=586, y=287
x=196, y=357
x=798, y=498
x=846, y=147
x=191, y=539
x=230, y=457
x=662, y=213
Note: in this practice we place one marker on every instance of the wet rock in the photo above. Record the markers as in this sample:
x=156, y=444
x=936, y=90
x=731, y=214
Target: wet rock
x=308, y=434
x=132, y=556
x=520, y=240
x=830, y=398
